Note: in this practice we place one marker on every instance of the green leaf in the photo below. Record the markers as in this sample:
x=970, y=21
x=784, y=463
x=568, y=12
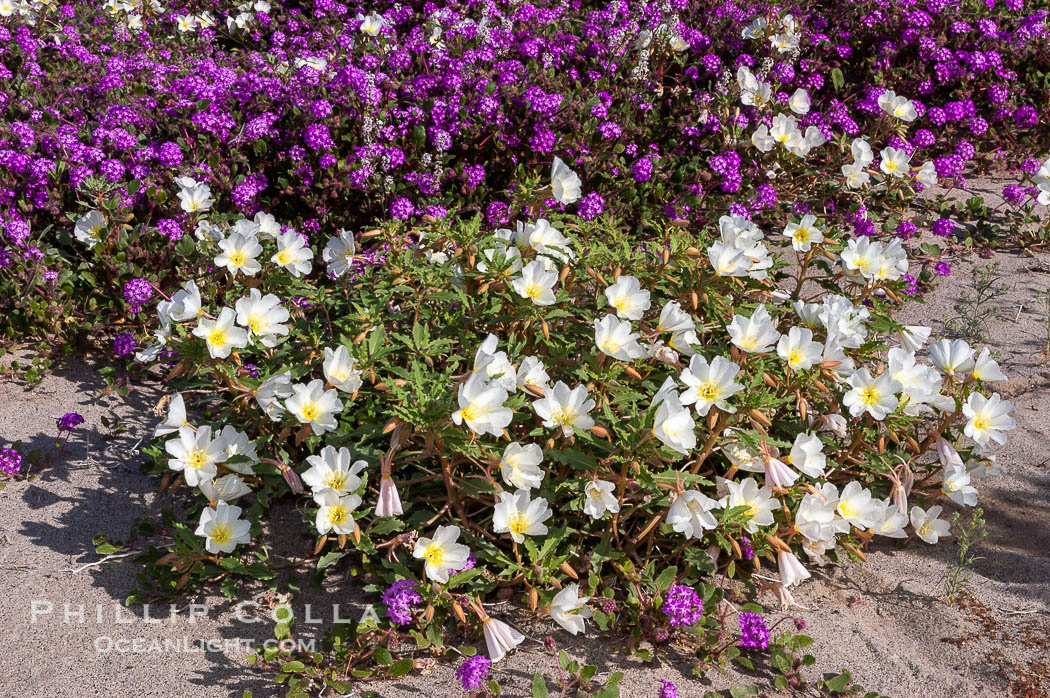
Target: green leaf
x=330, y=559
x=837, y=79
x=743, y=691
x=383, y=657
x=107, y=549
x=292, y=667
x=401, y=667
x=539, y=686
x=666, y=578
x=839, y=683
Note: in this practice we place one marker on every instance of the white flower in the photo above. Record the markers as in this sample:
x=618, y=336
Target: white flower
x=223, y=528
x=798, y=350
x=855, y=175
x=855, y=505
x=339, y=253
x=565, y=408
x=536, y=283
x=927, y=525
x=271, y=391
x=196, y=456
x=549, y=243
x=186, y=302
x=312, y=404
x=876, y=396
x=710, y=384
x=861, y=152
x=799, y=102
x=481, y=406
x=728, y=260
x=569, y=610
x=441, y=553
x=895, y=105
x=239, y=254
x=778, y=473
x=267, y=225
x=519, y=516
x=262, y=315
x=336, y=513
x=196, y=198
x=333, y=471
x=221, y=335
x=226, y=489
x=954, y=357
x=986, y=369
x=756, y=334
x=531, y=373
x=674, y=425
x=956, y=486
x=914, y=337
x=176, y=418
x=889, y=521
x=600, y=497
x=673, y=319
x=894, y=162
x=520, y=466
x=614, y=338
x=690, y=514
x=807, y=454
x=389, y=503
x=804, y=234
x=494, y=365
x=817, y=518
x=762, y=140
x=987, y=418
x=791, y=570
x=627, y=296
x=372, y=24
x=293, y=254
x=565, y=183
x=500, y=638
x=237, y=443
x=89, y=228
x=927, y=174
x=840, y=317
x=758, y=500
x=339, y=370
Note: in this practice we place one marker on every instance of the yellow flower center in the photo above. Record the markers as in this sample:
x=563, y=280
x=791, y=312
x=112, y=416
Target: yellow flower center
x=310, y=411
x=847, y=509
x=517, y=523
x=981, y=423
x=284, y=257
x=748, y=342
x=869, y=396
x=217, y=337
x=196, y=459
x=924, y=530
x=221, y=533
x=257, y=323
x=620, y=304
x=708, y=390
x=335, y=480
x=801, y=236
x=96, y=232
x=533, y=291
x=566, y=417
x=795, y=357
x=338, y=515
x=434, y=554
x=470, y=413
x=238, y=258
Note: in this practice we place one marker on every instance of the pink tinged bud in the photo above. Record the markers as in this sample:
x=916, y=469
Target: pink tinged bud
x=292, y=478
x=389, y=501
x=666, y=355
x=500, y=638
x=900, y=498
x=948, y=455
x=791, y=570
x=784, y=596
x=779, y=474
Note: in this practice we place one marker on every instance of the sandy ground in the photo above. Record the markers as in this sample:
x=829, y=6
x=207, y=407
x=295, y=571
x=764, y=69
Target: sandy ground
x=883, y=620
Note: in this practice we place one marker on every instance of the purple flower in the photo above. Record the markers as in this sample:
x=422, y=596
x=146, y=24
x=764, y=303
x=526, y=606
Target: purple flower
x=943, y=227
x=10, y=460
x=642, y=170
x=137, y=292
x=591, y=206
x=473, y=672
x=69, y=421
x=753, y=631
x=1013, y=194
x=124, y=344
x=498, y=213
x=943, y=268
x=471, y=563
x=746, y=549
x=682, y=606
x=401, y=599
x=402, y=209
x=667, y=690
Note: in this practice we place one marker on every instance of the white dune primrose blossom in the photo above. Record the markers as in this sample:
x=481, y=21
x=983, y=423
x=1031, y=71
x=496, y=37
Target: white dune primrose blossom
x=223, y=529
x=339, y=253
x=600, y=497
x=195, y=455
x=441, y=553
x=221, y=335
x=987, y=418
x=710, y=384
x=876, y=396
x=674, y=425
x=798, y=350
x=927, y=524
x=263, y=317
x=520, y=516
x=569, y=610
x=224, y=489
x=333, y=470
x=339, y=369
x=293, y=254
x=481, y=406
x=565, y=183
x=755, y=334
x=758, y=500
x=239, y=253
x=520, y=466
x=89, y=228
x=312, y=404
x=628, y=297
x=614, y=338
x=690, y=514
x=804, y=234
x=565, y=408
x=335, y=514
x=536, y=283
